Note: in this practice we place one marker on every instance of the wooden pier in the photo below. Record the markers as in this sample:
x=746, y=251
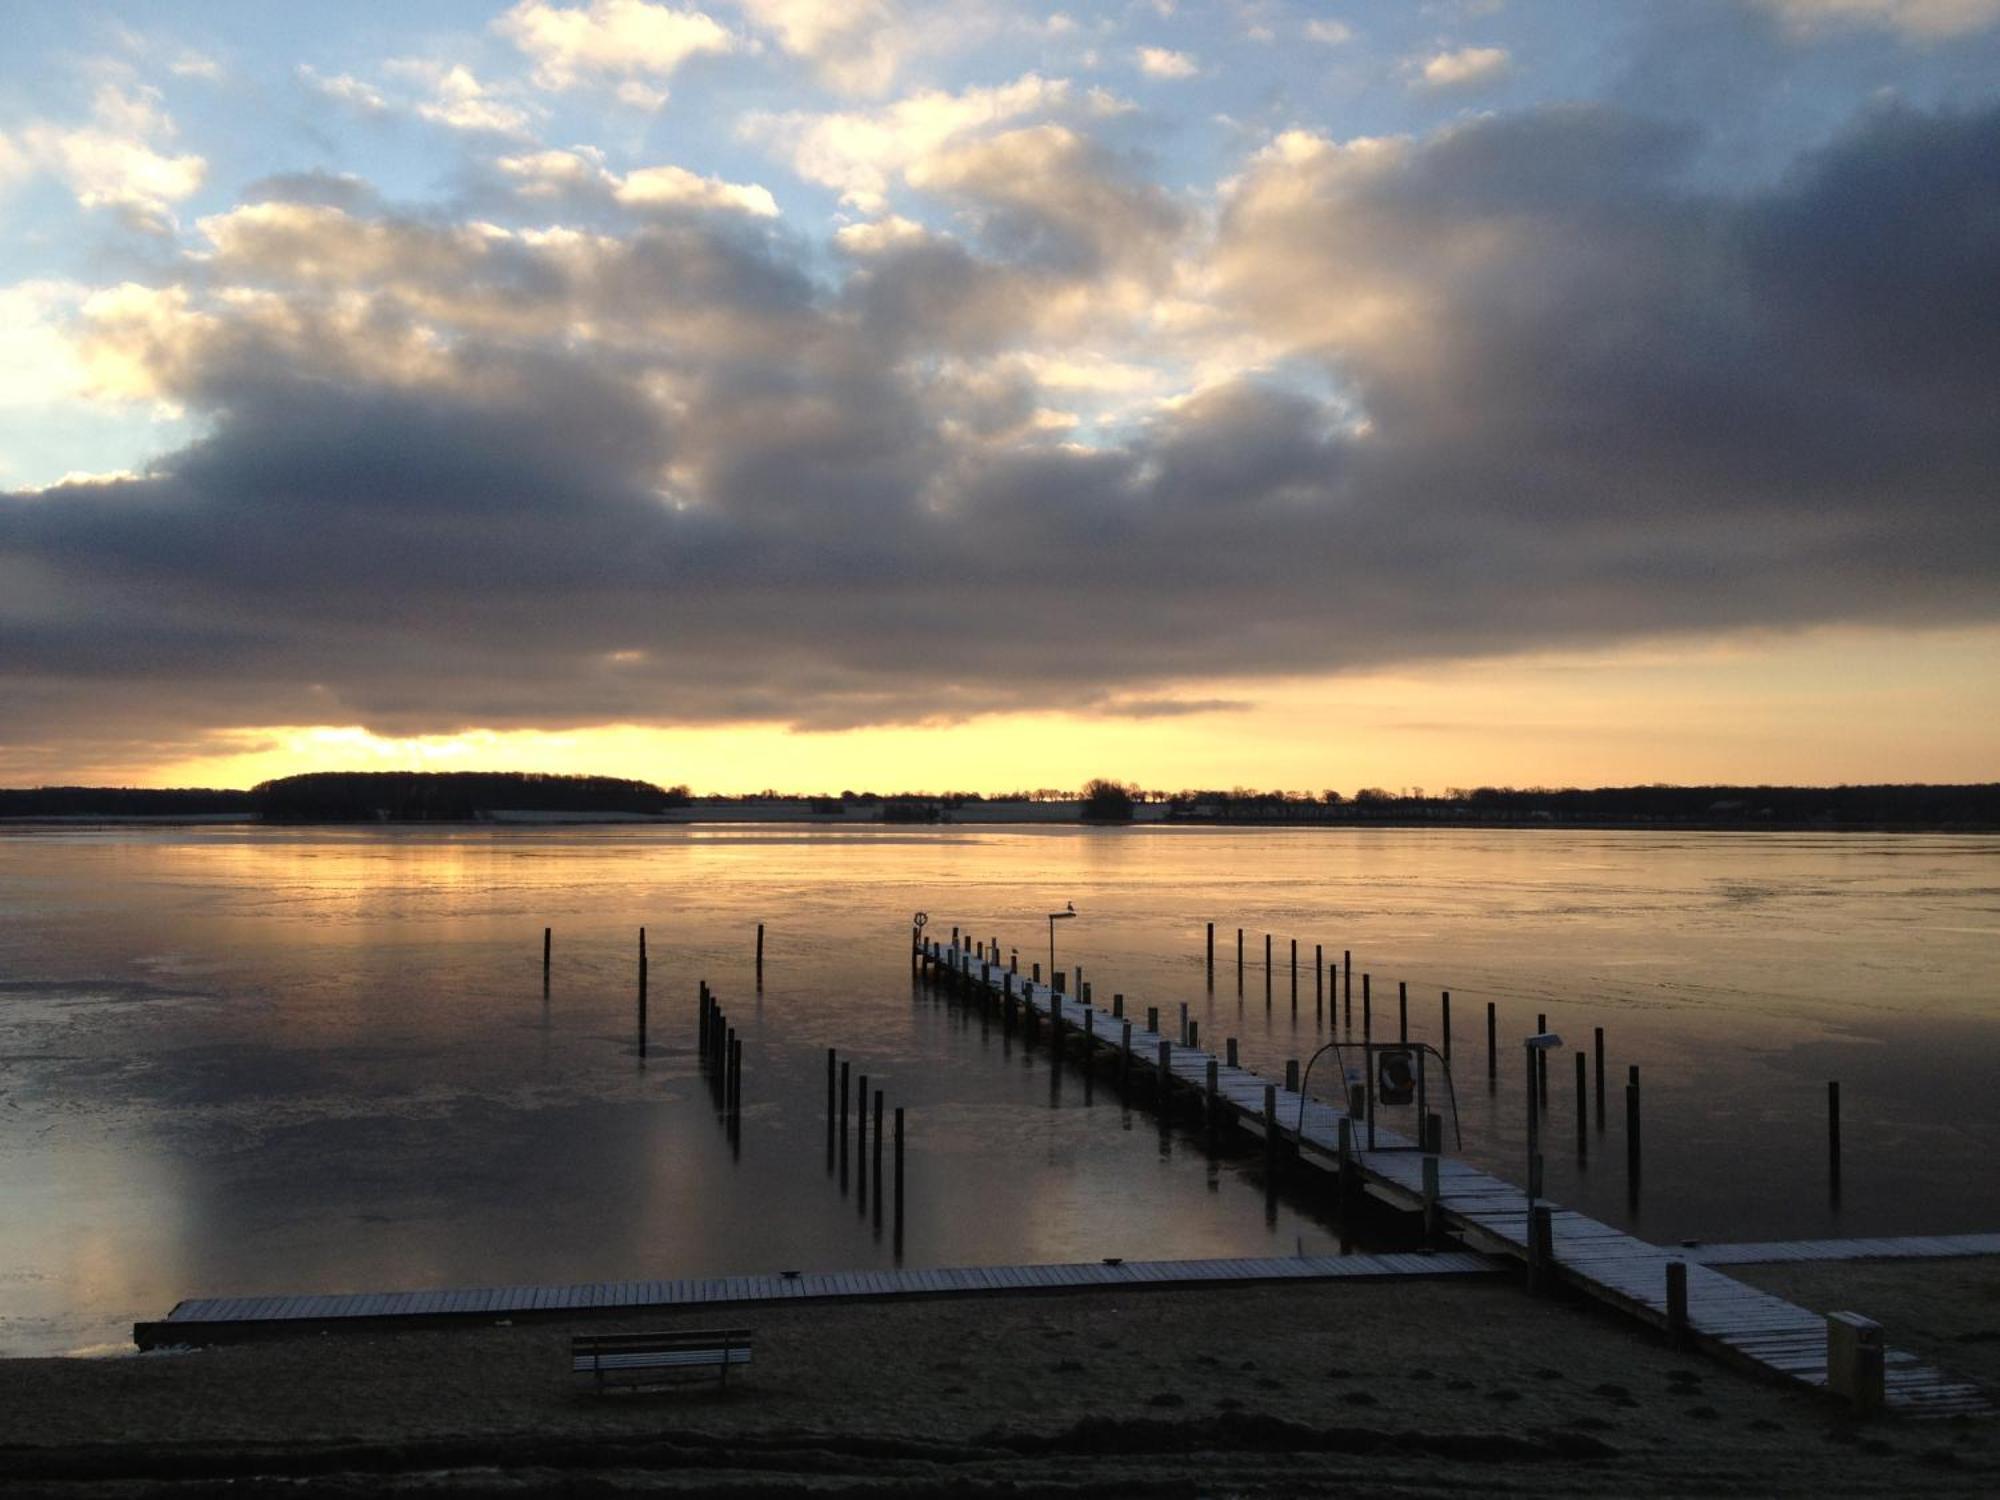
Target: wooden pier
x=214, y=1320
x=1667, y=1288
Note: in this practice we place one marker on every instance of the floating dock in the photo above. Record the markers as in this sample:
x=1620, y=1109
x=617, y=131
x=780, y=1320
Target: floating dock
x=214, y=1320
x=1722, y=1316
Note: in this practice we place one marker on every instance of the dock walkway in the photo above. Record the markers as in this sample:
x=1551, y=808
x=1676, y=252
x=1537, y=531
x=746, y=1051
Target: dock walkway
x=208, y=1320
x=1724, y=1316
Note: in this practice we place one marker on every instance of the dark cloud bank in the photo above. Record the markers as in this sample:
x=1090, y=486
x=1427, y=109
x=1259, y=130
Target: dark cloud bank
x=1598, y=404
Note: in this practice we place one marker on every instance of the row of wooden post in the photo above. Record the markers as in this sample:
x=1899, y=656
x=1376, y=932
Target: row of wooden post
x=838, y=1078
x=721, y=1052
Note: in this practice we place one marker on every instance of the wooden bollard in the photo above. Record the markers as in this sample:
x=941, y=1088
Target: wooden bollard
x=831, y=1072
x=1124, y=1056
x=1632, y=1134
x=1402, y=1011
x=1184, y=1025
x=642, y=992
x=1598, y=1043
x=1347, y=983
x=1239, y=960
x=1291, y=1075
x=843, y=1122
x=1295, y=975
x=1267, y=971
x=1368, y=1057
x=728, y=1052
x=1117, y=1007
x=760, y=950
x=861, y=1139
x=1153, y=1018
x=1166, y=1067
x=1677, y=1302
x=1433, y=1133
x=1013, y=960
x=1211, y=955
x=1492, y=1046
x=548, y=937
x=1036, y=976
x=1058, y=982
x=1542, y=1065
x=1444, y=1021
x=899, y=1172
x=1833, y=1136
x=1194, y=1034
x=1319, y=981
x=1855, y=1357
x=1230, y=1048
x=701, y=1021
x=1582, y=1109
x=878, y=1156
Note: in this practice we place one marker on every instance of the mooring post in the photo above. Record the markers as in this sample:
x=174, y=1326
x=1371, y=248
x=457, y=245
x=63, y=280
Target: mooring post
x=1295, y=976
x=1445, y=1022
x=1212, y=1092
x=1542, y=1065
x=843, y=1122
x=1194, y=1034
x=1184, y=1025
x=1230, y=1047
x=1368, y=1056
x=1270, y=1128
x=1833, y=1137
x=878, y=1156
x=1582, y=1109
x=1153, y=1018
x=861, y=1140
x=1632, y=1134
x=1492, y=1048
x=1117, y=1007
x=1677, y=1302
x=831, y=1071
x=642, y=992
x=760, y=950
x=736, y=1083
x=1239, y=960
x=1166, y=1067
x=1855, y=1357
x=1598, y=1042
x=701, y=1021
x=728, y=1052
x=1319, y=980
x=1541, y=1249
x=1211, y=955
x=899, y=1174
x=548, y=936
x=1347, y=983
x=1402, y=1011
x=1291, y=1075
x=1124, y=1056
x=1267, y=971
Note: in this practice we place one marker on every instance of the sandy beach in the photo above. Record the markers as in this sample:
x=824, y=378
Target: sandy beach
x=1431, y=1388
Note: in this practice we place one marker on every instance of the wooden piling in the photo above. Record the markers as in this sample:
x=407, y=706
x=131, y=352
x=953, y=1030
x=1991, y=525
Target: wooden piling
x=1632, y=1134
x=1402, y=1011
x=1239, y=960
x=1117, y=1007
x=1445, y=1022
x=1582, y=1108
x=831, y=1071
x=899, y=1174
x=1677, y=1303
x=1542, y=1065
x=861, y=1140
x=1124, y=1057
x=1368, y=1057
x=1184, y=1026
x=1291, y=1075
x=1194, y=1034
x=1270, y=1127
x=1166, y=1077
x=1598, y=1042
x=878, y=1156
x=548, y=937
x=1295, y=976
x=1211, y=955
x=843, y=1122
x=1230, y=1048
x=760, y=950
x=1347, y=983
x=1542, y=1256
x=1492, y=1047
x=642, y=992
x=1153, y=1018
x=1212, y=1103
x=1319, y=980
x=1267, y=971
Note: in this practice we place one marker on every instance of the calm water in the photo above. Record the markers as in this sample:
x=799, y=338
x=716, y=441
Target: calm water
x=239, y=1060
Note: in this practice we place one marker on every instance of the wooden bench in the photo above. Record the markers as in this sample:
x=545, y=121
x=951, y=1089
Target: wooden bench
x=641, y=1359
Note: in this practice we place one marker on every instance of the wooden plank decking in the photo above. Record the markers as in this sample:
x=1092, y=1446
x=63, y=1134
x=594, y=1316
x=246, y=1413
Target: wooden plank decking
x=1726, y=1317
x=202, y=1320
x=1901, y=1247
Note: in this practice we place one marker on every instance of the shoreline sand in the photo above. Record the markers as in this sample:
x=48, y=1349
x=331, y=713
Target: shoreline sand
x=1409, y=1388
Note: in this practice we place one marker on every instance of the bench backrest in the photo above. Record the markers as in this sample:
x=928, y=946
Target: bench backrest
x=667, y=1340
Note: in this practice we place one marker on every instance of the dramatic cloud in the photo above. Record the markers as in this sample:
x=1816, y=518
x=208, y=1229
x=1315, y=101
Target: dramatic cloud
x=1520, y=383
x=114, y=162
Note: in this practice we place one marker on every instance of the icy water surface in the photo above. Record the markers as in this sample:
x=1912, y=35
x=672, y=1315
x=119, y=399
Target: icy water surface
x=239, y=1060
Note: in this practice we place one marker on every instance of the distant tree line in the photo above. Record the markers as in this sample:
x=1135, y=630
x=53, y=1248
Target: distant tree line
x=121, y=802
x=450, y=796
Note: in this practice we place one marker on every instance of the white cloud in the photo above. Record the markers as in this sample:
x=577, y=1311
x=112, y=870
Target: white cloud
x=610, y=40
x=878, y=235
x=855, y=45
x=1163, y=62
x=343, y=88
x=1332, y=33
x=193, y=64
x=460, y=100
x=112, y=162
x=860, y=152
x=1468, y=67
x=38, y=363
x=650, y=186
x=1918, y=20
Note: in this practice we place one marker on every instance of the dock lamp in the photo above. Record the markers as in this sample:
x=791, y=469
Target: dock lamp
x=1541, y=1042
x=1068, y=911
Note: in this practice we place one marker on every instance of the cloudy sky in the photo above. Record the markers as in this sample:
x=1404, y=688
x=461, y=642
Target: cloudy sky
x=815, y=394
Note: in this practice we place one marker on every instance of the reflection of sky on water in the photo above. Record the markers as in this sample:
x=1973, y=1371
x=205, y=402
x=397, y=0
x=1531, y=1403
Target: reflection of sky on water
x=249, y=1060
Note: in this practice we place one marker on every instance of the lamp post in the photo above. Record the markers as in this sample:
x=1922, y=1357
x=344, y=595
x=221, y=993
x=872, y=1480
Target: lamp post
x=1068, y=911
x=1541, y=1042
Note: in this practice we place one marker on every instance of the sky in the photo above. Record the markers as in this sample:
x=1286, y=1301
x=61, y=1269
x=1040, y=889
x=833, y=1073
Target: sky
x=778, y=393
